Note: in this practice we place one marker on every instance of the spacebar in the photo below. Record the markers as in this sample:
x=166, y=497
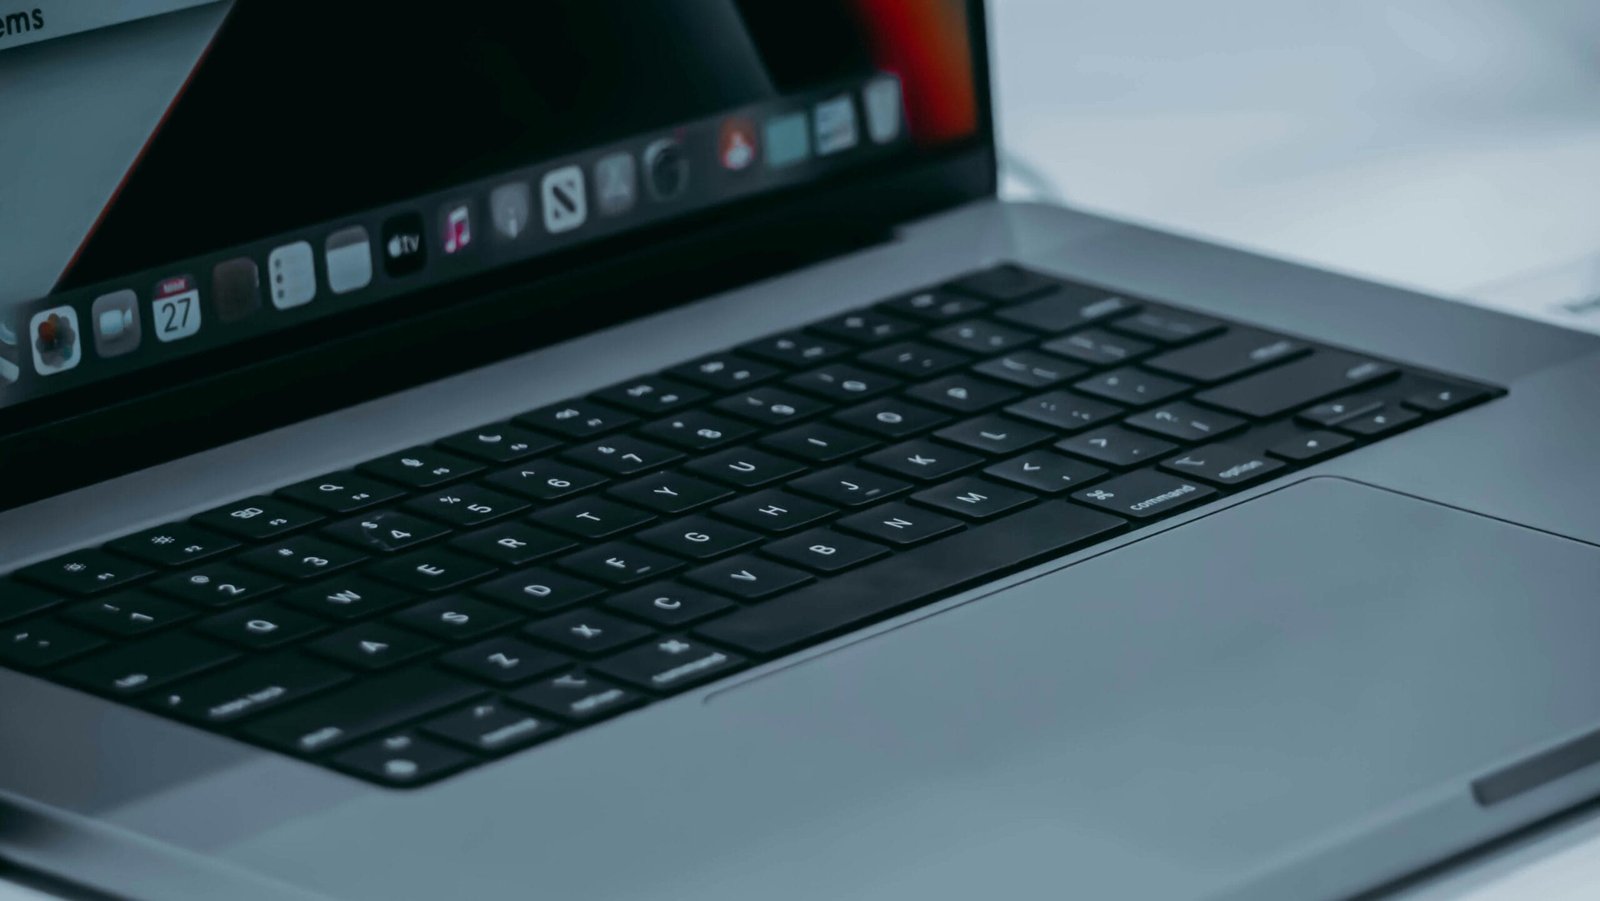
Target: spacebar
x=911, y=578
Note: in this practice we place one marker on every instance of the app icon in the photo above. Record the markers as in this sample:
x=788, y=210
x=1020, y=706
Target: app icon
x=616, y=183
x=788, y=140
x=736, y=144
x=403, y=249
x=175, y=308
x=293, y=275
x=235, y=289
x=565, y=204
x=510, y=207
x=348, y=255
x=835, y=122
x=455, y=225
x=10, y=354
x=116, y=323
x=56, y=343
x=666, y=169
x=881, y=99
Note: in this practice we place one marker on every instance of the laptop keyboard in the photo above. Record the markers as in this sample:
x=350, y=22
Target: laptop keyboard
x=437, y=607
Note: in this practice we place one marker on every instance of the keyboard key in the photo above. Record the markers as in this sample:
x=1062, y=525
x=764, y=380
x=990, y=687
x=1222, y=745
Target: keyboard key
x=1065, y=411
x=499, y=443
x=1098, y=347
x=1144, y=494
x=577, y=419
x=512, y=544
x=993, y=435
x=1067, y=307
x=1446, y=398
x=341, y=492
x=360, y=709
x=173, y=545
x=841, y=382
x=258, y=518
x=824, y=550
x=1029, y=369
x=724, y=372
x=135, y=668
x=622, y=455
x=261, y=626
x=794, y=349
x=545, y=480
x=127, y=613
x=891, y=418
x=697, y=430
x=37, y=643
x=453, y=618
x=651, y=396
x=745, y=467
x=592, y=518
x=431, y=569
x=85, y=572
x=669, y=492
x=18, y=600
x=371, y=646
x=1322, y=374
x=699, y=537
x=934, y=306
x=577, y=697
x=346, y=597
x=216, y=585
x=848, y=486
x=1222, y=464
x=1186, y=422
x=301, y=558
x=247, y=688
x=922, y=460
x=1383, y=422
x=620, y=563
x=864, y=327
x=1116, y=447
x=491, y=727
x=1332, y=412
x=963, y=393
x=1004, y=282
x=773, y=511
x=898, y=524
x=914, y=360
x=539, y=590
x=1228, y=356
x=421, y=467
x=669, y=664
x=980, y=336
x=384, y=531
x=1045, y=471
x=587, y=632
x=1309, y=447
x=818, y=442
x=467, y=505
x=771, y=406
x=909, y=579
x=1166, y=326
x=668, y=605
x=1131, y=387
x=504, y=661
x=747, y=577
x=403, y=759
x=973, y=498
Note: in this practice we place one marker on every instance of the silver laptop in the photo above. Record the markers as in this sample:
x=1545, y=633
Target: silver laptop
x=622, y=451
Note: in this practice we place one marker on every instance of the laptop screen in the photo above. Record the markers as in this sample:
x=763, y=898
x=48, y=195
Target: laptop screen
x=318, y=162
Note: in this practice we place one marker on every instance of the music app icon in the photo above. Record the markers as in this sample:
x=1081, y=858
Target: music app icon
x=457, y=227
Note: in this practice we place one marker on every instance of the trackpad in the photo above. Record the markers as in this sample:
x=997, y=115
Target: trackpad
x=1172, y=716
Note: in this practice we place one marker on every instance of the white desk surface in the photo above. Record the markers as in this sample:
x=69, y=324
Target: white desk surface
x=1447, y=145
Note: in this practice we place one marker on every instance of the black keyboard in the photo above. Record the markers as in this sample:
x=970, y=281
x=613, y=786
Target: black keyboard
x=432, y=609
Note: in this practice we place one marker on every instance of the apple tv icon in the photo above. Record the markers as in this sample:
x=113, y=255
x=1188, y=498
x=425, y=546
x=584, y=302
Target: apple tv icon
x=404, y=250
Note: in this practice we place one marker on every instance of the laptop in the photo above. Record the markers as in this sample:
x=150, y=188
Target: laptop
x=609, y=450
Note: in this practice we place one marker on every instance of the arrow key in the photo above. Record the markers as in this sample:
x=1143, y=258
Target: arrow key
x=1309, y=447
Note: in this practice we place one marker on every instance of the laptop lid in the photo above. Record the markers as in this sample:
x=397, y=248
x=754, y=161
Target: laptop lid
x=333, y=203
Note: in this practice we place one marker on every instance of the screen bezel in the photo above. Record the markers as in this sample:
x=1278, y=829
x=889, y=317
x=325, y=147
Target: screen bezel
x=98, y=432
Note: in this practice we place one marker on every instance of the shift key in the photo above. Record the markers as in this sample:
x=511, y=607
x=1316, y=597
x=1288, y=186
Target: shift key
x=1305, y=381
x=347, y=714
